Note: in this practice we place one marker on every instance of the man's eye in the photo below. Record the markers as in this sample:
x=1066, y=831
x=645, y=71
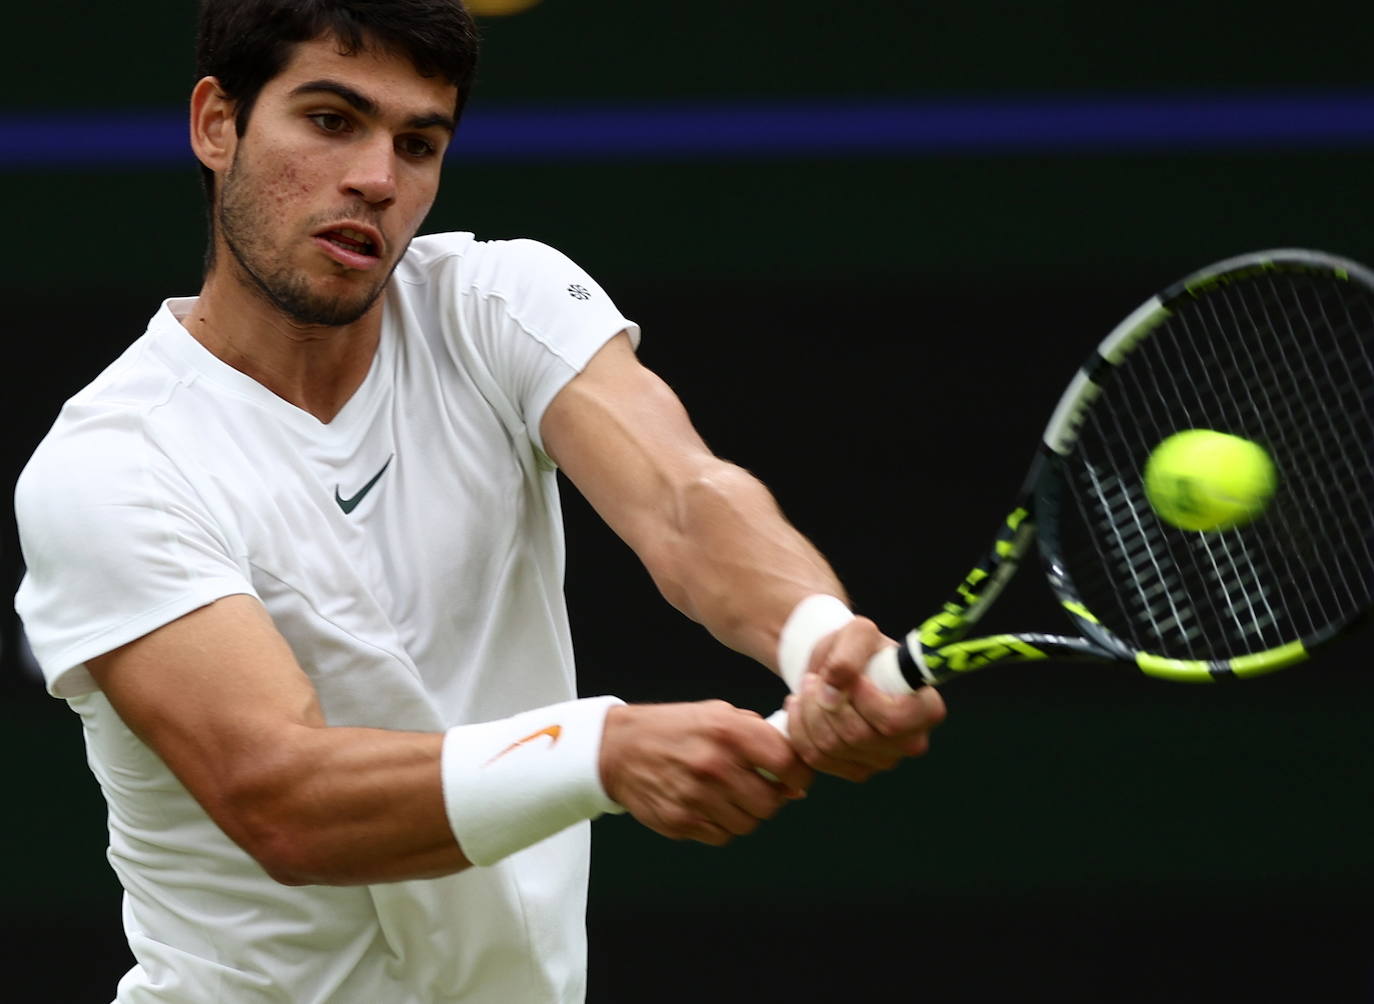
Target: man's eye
x=413, y=146
x=330, y=122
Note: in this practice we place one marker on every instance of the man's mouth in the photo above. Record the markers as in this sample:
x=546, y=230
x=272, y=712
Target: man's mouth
x=351, y=240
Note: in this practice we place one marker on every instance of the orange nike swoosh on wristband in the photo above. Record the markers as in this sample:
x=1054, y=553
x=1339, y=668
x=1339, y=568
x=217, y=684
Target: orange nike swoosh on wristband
x=552, y=731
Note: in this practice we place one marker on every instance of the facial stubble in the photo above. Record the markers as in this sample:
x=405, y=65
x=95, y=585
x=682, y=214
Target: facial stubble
x=245, y=224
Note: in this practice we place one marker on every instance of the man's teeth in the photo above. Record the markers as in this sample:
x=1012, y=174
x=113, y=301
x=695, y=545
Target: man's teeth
x=353, y=240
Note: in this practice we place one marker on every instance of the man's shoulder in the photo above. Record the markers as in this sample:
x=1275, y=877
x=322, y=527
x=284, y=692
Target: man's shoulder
x=105, y=425
x=140, y=377
x=427, y=249
x=479, y=262
x=113, y=407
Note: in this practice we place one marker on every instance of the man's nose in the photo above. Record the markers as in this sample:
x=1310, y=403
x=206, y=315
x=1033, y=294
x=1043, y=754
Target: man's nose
x=371, y=173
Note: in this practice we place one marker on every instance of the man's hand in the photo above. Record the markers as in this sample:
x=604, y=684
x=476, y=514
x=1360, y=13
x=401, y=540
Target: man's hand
x=691, y=771
x=841, y=724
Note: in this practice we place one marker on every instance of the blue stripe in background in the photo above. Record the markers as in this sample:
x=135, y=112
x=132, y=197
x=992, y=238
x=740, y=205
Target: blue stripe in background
x=763, y=129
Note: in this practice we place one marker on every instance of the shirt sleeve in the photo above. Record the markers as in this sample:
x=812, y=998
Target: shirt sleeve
x=116, y=542
x=537, y=318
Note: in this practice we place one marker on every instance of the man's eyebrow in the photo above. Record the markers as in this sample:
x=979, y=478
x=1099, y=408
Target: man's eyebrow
x=366, y=106
x=444, y=122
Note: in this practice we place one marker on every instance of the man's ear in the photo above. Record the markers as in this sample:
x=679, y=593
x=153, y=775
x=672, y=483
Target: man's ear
x=213, y=137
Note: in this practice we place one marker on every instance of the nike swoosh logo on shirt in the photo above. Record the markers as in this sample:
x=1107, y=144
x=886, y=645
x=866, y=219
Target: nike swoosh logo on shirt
x=552, y=731
x=349, y=504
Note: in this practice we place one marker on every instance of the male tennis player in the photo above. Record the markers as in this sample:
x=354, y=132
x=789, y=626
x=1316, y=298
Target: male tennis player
x=295, y=558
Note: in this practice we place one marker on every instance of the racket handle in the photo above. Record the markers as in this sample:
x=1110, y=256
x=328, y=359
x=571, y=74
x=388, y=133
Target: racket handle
x=884, y=669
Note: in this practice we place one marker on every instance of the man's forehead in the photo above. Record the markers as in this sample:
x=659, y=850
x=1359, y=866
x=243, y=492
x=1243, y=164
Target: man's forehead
x=385, y=75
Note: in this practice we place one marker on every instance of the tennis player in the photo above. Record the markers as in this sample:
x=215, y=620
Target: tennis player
x=295, y=558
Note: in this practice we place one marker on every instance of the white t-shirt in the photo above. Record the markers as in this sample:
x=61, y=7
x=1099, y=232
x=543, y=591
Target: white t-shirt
x=411, y=553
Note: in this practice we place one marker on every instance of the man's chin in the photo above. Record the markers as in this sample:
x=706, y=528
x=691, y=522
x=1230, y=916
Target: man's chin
x=331, y=301
x=320, y=308
x=316, y=294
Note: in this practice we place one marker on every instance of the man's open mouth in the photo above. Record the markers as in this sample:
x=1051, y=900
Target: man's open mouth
x=351, y=240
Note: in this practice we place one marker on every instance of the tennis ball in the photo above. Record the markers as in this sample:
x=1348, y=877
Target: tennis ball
x=1200, y=479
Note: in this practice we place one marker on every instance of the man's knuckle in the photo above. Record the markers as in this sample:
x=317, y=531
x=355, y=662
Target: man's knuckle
x=722, y=731
x=887, y=760
x=744, y=826
x=881, y=723
x=767, y=810
x=935, y=708
x=852, y=731
x=710, y=768
x=680, y=820
x=918, y=746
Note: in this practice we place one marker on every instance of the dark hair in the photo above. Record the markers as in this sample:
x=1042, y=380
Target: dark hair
x=245, y=43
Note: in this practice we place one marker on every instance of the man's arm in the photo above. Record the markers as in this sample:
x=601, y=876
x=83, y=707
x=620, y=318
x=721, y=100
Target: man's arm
x=220, y=698
x=218, y=695
x=719, y=549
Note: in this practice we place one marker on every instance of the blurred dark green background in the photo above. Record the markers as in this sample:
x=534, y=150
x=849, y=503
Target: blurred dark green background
x=879, y=337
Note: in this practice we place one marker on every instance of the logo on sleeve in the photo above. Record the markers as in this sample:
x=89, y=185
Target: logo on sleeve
x=349, y=504
x=552, y=731
x=579, y=292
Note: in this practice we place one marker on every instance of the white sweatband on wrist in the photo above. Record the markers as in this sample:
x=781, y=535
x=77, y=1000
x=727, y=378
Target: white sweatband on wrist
x=810, y=620
x=509, y=784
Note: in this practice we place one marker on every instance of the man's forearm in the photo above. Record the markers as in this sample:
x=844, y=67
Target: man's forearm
x=341, y=806
x=733, y=562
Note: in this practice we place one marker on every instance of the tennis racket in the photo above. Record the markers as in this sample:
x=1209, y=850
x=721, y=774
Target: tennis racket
x=1276, y=347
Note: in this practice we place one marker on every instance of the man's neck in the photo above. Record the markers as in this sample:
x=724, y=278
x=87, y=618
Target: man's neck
x=313, y=367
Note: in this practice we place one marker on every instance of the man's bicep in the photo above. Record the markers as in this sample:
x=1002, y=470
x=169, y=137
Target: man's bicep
x=212, y=693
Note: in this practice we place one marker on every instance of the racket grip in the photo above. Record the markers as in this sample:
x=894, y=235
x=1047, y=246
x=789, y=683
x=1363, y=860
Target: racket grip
x=884, y=669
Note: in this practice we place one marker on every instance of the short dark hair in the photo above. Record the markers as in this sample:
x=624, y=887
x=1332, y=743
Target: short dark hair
x=246, y=43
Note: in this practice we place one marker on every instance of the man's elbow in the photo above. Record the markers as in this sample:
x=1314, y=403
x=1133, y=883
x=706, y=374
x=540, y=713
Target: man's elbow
x=287, y=862
x=258, y=813
x=285, y=851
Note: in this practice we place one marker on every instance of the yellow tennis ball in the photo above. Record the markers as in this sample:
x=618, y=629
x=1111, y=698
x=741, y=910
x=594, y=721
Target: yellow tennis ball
x=1200, y=479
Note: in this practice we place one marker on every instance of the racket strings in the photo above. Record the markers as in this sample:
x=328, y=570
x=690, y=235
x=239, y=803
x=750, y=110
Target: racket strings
x=1158, y=581
x=1283, y=359
x=1129, y=548
x=1145, y=568
x=1273, y=414
x=1313, y=420
x=1324, y=452
x=1319, y=424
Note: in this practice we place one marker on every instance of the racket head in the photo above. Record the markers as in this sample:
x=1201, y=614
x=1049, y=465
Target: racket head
x=1276, y=347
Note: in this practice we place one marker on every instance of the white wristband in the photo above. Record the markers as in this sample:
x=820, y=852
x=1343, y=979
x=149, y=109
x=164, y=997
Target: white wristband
x=509, y=784
x=810, y=621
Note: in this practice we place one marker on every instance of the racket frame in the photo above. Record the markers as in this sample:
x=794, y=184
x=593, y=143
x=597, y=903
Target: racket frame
x=938, y=650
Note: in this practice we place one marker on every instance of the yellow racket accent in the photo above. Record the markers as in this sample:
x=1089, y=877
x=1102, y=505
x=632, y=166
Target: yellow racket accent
x=1079, y=610
x=1201, y=671
x=1266, y=662
x=967, y=588
x=975, y=653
